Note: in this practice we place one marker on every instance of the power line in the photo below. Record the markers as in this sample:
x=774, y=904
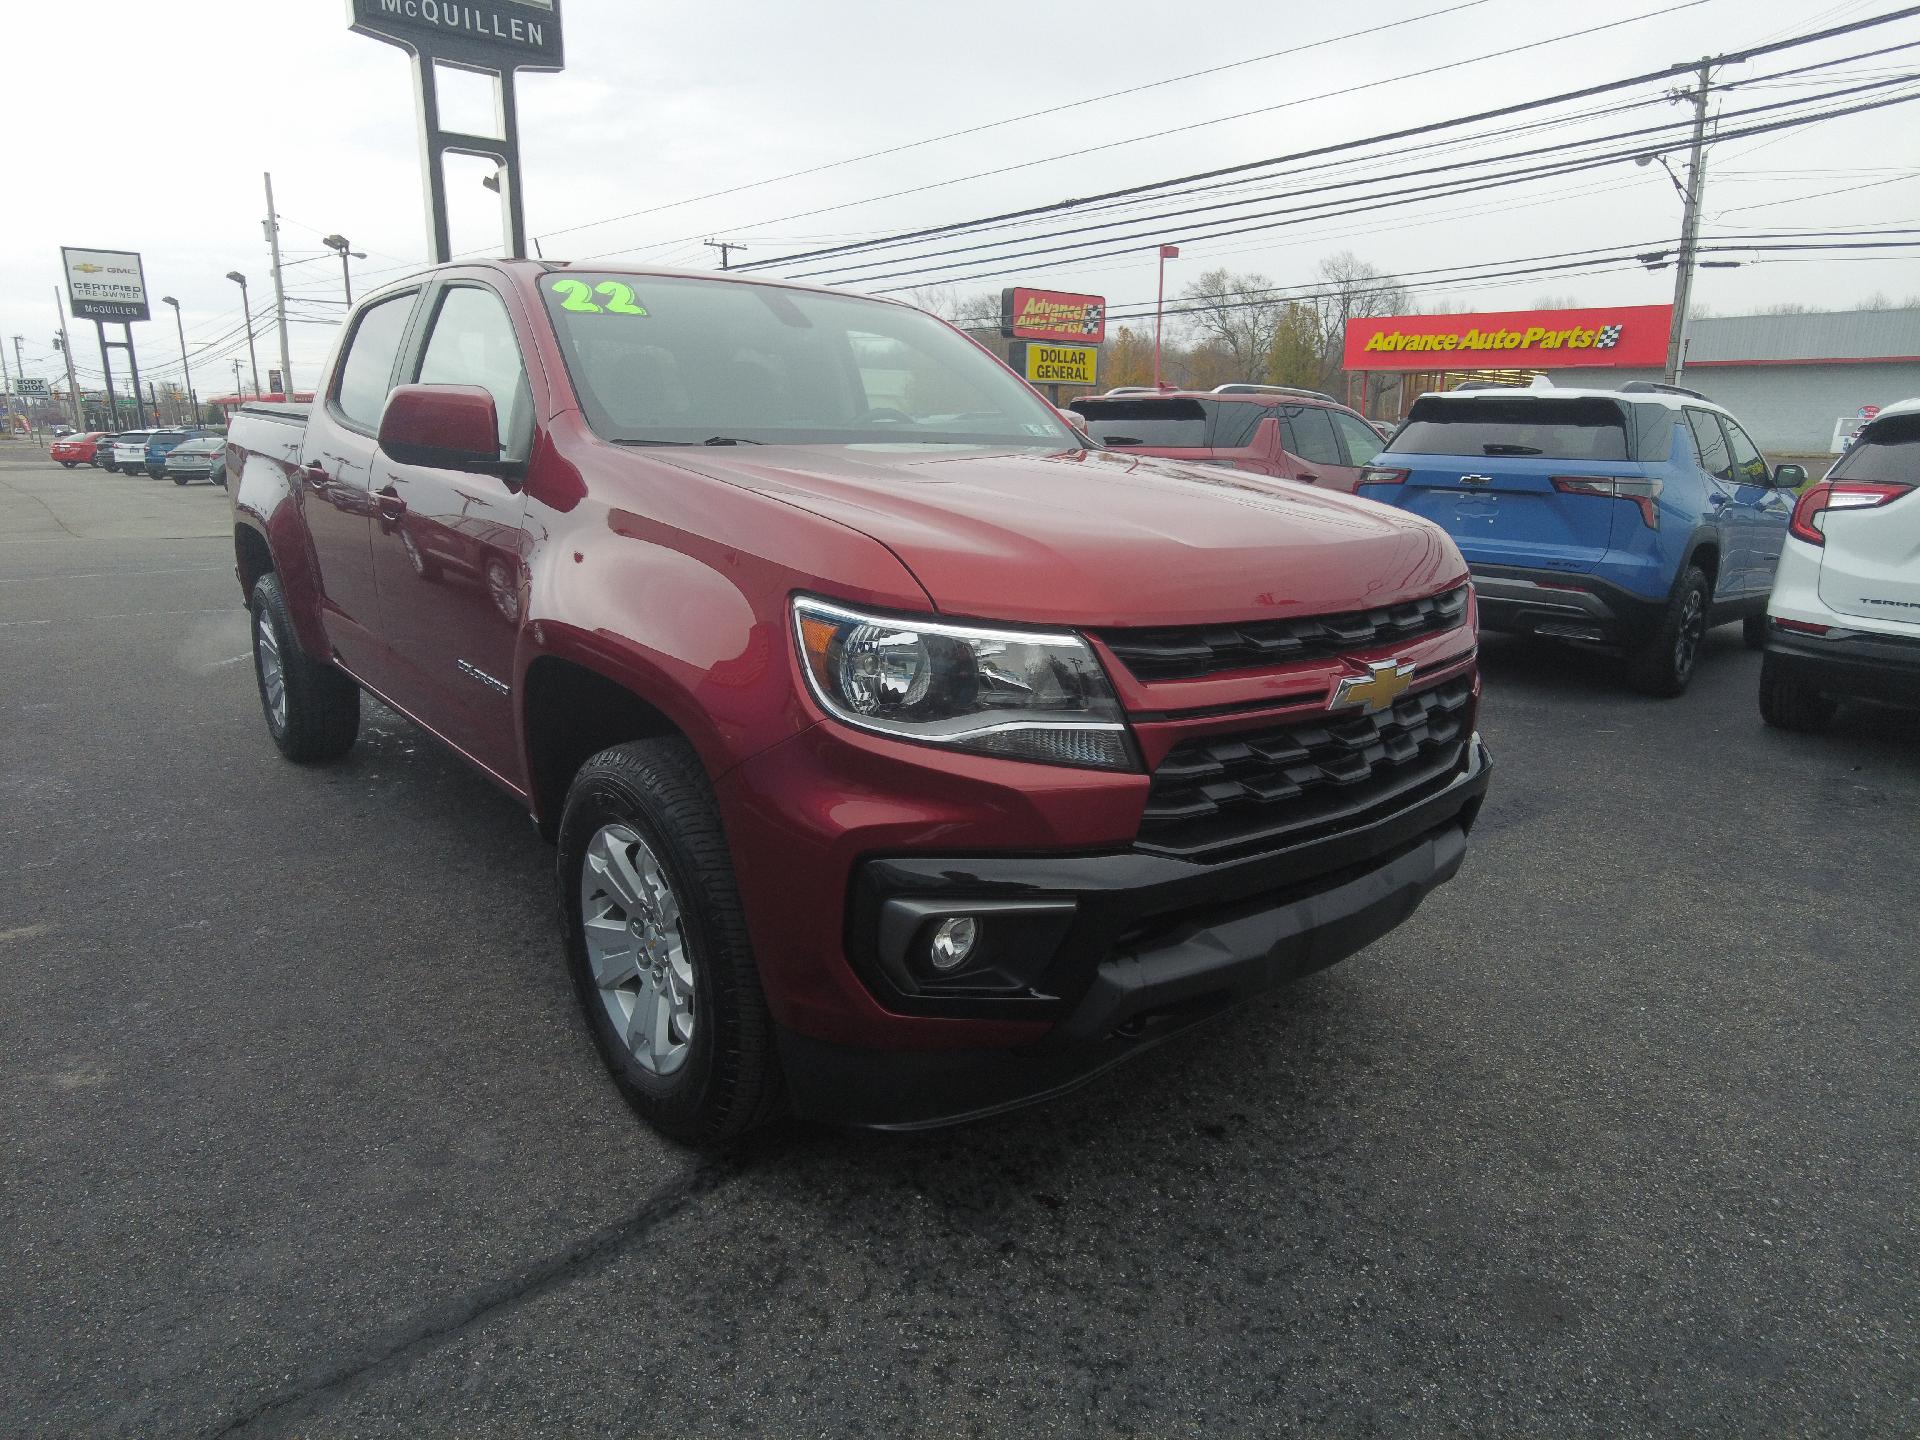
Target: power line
x=1409, y=132
x=1365, y=31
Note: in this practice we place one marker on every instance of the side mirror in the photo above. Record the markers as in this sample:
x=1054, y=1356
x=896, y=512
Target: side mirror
x=450, y=427
x=1789, y=477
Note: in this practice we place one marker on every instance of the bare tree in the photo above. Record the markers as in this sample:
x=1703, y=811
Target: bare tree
x=1234, y=318
x=1352, y=289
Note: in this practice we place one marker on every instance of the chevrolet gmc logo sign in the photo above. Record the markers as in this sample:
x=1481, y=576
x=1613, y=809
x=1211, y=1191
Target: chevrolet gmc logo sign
x=1375, y=691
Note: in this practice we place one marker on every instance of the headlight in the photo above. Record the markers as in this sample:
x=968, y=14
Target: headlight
x=1017, y=694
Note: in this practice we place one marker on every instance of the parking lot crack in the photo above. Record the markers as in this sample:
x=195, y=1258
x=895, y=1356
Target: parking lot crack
x=448, y=1320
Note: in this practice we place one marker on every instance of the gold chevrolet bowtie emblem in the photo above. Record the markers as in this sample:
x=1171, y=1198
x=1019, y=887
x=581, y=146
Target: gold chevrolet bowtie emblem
x=1377, y=689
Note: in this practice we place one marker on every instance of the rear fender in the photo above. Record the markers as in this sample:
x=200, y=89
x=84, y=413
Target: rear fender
x=265, y=501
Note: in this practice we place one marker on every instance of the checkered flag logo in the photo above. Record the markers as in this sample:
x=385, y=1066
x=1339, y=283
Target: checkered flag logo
x=1609, y=337
x=1090, y=321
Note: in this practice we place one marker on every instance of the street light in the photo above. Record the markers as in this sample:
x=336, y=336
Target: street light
x=246, y=309
x=1167, y=252
x=185, y=372
x=341, y=244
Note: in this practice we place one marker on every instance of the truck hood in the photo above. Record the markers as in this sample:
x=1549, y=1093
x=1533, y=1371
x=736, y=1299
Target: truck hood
x=1095, y=538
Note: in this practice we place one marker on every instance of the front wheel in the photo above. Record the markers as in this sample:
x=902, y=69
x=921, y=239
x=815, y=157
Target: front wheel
x=657, y=944
x=1664, y=662
x=68, y=464
x=1789, y=703
x=312, y=709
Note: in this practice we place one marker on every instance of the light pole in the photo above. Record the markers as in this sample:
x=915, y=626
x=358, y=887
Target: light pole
x=186, y=373
x=1167, y=252
x=341, y=244
x=247, y=309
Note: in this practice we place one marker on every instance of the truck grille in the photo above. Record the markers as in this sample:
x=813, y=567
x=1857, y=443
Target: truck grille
x=1289, y=782
x=1187, y=652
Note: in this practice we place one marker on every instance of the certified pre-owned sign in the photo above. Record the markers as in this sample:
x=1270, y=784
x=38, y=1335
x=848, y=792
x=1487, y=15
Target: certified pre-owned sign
x=105, y=284
x=1055, y=364
x=486, y=34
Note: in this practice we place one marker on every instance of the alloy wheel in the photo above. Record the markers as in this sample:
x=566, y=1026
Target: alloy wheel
x=1693, y=629
x=637, y=948
x=273, y=673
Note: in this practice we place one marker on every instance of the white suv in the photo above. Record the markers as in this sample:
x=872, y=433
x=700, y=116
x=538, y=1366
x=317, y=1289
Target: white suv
x=1844, y=616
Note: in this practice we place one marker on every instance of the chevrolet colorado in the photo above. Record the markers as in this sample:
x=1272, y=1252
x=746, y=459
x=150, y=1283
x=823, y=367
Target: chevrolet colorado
x=907, y=758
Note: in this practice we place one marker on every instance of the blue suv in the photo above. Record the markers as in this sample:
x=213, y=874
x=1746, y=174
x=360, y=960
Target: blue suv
x=1628, y=520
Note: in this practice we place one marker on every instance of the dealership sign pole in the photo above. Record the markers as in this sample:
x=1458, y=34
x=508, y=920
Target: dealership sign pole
x=105, y=285
x=489, y=37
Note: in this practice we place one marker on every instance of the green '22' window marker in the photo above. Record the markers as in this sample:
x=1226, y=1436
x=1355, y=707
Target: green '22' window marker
x=577, y=296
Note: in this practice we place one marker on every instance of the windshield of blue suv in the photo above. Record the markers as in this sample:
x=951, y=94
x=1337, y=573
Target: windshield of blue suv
x=1553, y=429
x=1888, y=452
x=671, y=360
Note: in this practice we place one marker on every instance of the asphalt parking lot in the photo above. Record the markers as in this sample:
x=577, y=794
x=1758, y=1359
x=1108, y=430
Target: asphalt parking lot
x=302, y=1135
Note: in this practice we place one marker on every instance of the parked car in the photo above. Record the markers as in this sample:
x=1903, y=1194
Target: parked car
x=72, y=449
x=1844, y=616
x=103, y=450
x=908, y=758
x=1267, y=429
x=162, y=443
x=129, y=455
x=62, y=430
x=1629, y=520
x=196, y=458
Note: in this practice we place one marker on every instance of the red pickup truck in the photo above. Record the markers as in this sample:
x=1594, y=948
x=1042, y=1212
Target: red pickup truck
x=908, y=758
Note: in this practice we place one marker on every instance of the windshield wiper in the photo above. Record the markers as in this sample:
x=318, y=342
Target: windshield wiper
x=729, y=440
x=1496, y=449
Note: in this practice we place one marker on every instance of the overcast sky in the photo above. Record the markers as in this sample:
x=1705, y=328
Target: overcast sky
x=149, y=126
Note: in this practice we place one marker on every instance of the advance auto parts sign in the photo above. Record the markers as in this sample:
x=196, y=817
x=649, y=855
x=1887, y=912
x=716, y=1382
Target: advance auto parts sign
x=1052, y=315
x=1625, y=336
x=1055, y=364
x=478, y=34
x=105, y=284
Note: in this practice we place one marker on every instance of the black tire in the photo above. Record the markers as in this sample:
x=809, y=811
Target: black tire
x=156, y=472
x=68, y=464
x=1789, y=703
x=322, y=704
x=730, y=1080
x=1663, y=664
x=181, y=481
x=1753, y=632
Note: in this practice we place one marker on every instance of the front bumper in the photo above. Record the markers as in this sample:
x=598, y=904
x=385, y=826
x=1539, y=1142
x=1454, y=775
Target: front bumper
x=1150, y=946
x=1855, y=663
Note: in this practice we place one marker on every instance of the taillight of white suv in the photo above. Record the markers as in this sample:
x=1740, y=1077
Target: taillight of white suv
x=1809, y=523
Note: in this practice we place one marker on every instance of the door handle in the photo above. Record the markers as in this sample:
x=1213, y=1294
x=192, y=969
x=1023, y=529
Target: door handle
x=313, y=477
x=392, y=507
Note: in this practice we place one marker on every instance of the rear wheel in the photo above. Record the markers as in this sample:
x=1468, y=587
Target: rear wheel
x=312, y=709
x=68, y=464
x=1664, y=663
x=657, y=944
x=1753, y=632
x=1789, y=703
x=181, y=481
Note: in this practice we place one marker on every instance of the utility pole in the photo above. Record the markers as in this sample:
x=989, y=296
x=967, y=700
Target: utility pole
x=6, y=380
x=279, y=294
x=1689, y=232
x=20, y=369
x=66, y=351
x=238, y=388
x=726, y=249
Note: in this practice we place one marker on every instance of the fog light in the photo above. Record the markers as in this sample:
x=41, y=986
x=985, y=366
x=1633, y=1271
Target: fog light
x=953, y=942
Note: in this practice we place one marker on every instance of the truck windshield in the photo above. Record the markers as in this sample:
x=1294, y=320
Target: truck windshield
x=668, y=360
x=1566, y=429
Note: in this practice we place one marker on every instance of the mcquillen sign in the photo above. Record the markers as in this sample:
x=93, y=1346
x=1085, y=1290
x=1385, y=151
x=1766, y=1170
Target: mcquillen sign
x=104, y=284
x=478, y=34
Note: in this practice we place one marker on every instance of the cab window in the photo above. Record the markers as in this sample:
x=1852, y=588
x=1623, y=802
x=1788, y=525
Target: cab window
x=472, y=343
x=1310, y=434
x=367, y=373
x=1710, y=445
x=1363, y=442
x=1749, y=468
